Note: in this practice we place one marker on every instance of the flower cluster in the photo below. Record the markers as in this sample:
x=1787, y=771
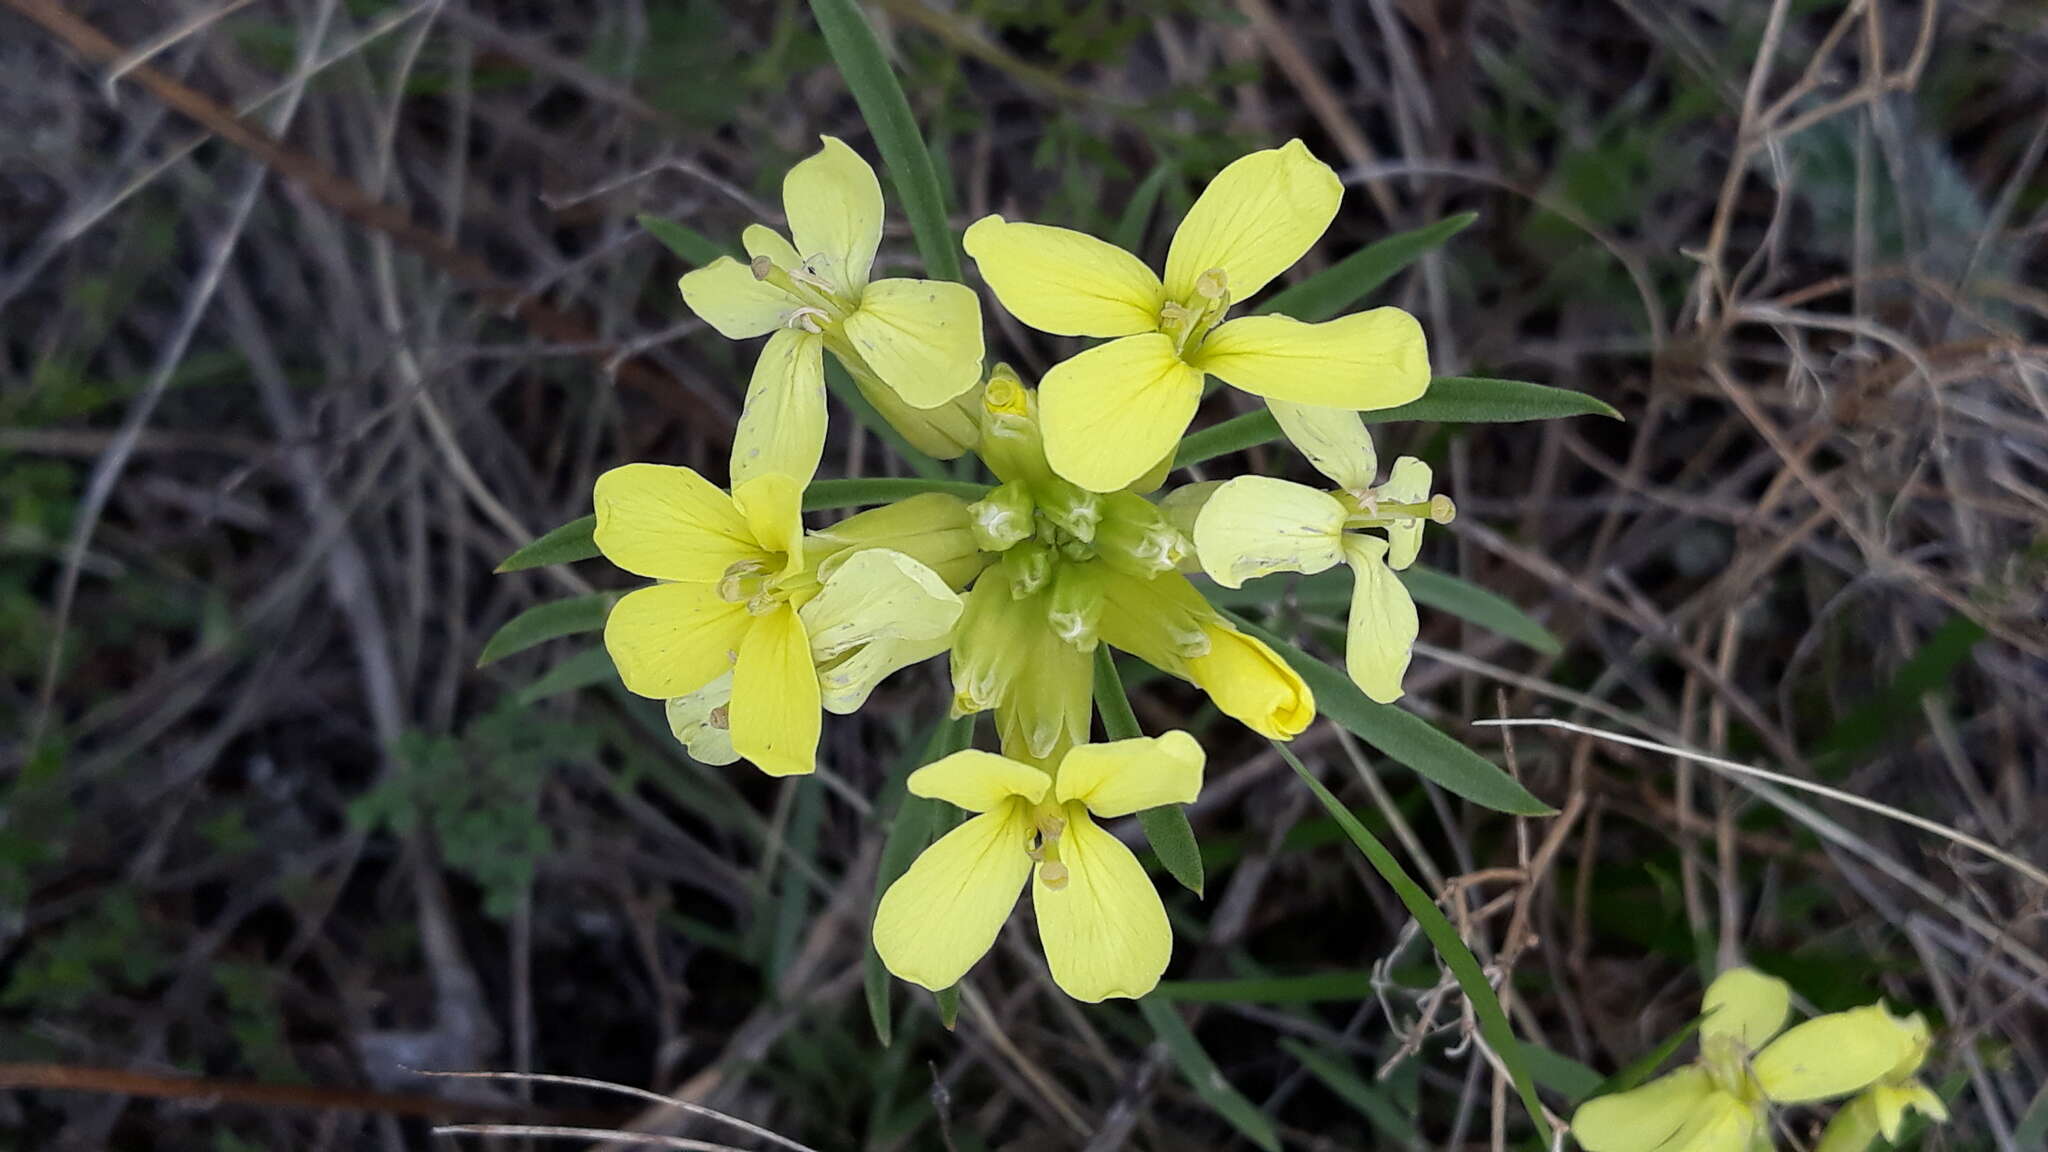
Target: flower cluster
x=1749, y=1063
x=755, y=625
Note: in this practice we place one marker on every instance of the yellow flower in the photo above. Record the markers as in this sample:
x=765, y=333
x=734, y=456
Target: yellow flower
x=1099, y=918
x=1115, y=411
x=1882, y=1108
x=1721, y=1102
x=1255, y=525
x=913, y=346
x=741, y=634
x=1165, y=622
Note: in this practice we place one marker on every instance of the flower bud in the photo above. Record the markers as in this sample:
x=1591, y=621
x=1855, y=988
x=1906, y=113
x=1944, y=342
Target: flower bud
x=1074, y=610
x=1028, y=568
x=1135, y=538
x=1002, y=518
x=1071, y=508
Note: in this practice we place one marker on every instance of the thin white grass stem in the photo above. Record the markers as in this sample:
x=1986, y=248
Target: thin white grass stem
x=1982, y=847
x=567, y=1133
x=641, y=1093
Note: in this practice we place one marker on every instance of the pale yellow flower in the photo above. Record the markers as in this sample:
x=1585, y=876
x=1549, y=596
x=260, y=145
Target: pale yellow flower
x=1100, y=920
x=1114, y=412
x=913, y=346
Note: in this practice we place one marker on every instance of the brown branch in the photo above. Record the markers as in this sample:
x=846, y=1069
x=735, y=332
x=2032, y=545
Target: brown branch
x=335, y=191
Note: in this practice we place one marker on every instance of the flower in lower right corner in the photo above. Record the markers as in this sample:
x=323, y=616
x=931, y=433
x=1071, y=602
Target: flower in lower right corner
x=1881, y=1109
x=1721, y=1102
x=1099, y=917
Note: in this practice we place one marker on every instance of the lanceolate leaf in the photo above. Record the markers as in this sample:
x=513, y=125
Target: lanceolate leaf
x=564, y=545
x=1331, y=591
x=1328, y=293
x=1493, y=1022
x=1203, y=1076
x=695, y=248
x=859, y=56
x=1406, y=737
x=588, y=667
x=1313, y=988
x=1449, y=400
x=1338, y=1076
x=544, y=622
x=1166, y=827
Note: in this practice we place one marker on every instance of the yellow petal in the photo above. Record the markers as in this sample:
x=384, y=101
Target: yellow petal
x=943, y=914
x=933, y=529
x=1723, y=1124
x=1852, y=1128
x=1254, y=220
x=1383, y=627
x=1747, y=1005
x=761, y=240
x=1154, y=476
x=669, y=523
x=672, y=639
x=1334, y=440
x=1065, y=282
x=1407, y=483
x=782, y=424
x=922, y=338
x=698, y=722
x=1367, y=360
x=725, y=295
x=1645, y=1118
x=1250, y=683
x=878, y=611
x=774, y=712
x=1112, y=411
x=1255, y=525
x=1831, y=1055
x=1104, y=931
x=834, y=204
x=772, y=505
x=978, y=781
x=1124, y=776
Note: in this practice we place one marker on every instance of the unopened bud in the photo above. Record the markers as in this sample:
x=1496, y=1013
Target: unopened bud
x=1028, y=568
x=1073, y=509
x=1075, y=608
x=1135, y=537
x=1002, y=518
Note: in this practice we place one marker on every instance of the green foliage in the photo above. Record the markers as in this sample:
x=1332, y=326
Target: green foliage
x=1204, y=1077
x=1330, y=292
x=109, y=946
x=544, y=622
x=479, y=797
x=249, y=994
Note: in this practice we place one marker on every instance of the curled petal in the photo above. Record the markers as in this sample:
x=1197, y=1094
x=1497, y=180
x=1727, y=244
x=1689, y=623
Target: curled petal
x=879, y=611
x=1381, y=635
x=1254, y=220
x=1334, y=440
x=1065, y=282
x=725, y=294
x=782, y=424
x=979, y=781
x=673, y=639
x=1112, y=411
x=1367, y=360
x=669, y=523
x=1104, y=931
x=1251, y=683
x=774, y=712
x=1407, y=483
x=1255, y=525
x=834, y=204
x=922, y=338
x=696, y=722
x=1120, y=777
x=1747, y=1005
x=943, y=914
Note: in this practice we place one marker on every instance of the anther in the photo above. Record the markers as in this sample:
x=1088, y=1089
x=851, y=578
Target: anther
x=763, y=267
x=1053, y=875
x=1211, y=285
x=1441, y=510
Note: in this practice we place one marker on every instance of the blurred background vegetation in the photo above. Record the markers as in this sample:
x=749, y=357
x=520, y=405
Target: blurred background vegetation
x=280, y=392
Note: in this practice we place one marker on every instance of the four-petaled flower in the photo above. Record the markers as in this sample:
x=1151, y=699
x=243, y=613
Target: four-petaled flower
x=1256, y=525
x=745, y=631
x=1113, y=412
x=1099, y=918
x=913, y=346
x=1721, y=1102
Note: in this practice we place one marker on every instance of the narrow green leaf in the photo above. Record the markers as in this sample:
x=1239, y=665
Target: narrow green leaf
x=1331, y=591
x=1376, y=1106
x=1308, y=988
x=1449, y=400
x=1645, y=1066
x=1404, y=736
x=1468, y=601
x=800, y=856
x=1493, y=1023
x=859, y=56
x=1129, y=232
x=883, y=490
x=1203, y=1076
x=565, y=545
x=1560, y=1073
x=695, y=248
x=1329, y=292
x=588, y=667
x=871, y=418
x=2032, y=1130
x=544, y=622
x=948, y=1000
x=1166, y=827
x=910, y=830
